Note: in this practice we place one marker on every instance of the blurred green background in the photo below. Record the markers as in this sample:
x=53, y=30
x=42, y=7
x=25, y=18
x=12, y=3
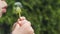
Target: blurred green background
x=43, y=14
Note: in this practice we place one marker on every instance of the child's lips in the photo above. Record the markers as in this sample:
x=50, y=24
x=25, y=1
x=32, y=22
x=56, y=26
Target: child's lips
x=4, y=9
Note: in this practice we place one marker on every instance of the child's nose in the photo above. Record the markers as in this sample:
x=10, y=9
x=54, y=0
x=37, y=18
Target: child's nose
x=5, y=4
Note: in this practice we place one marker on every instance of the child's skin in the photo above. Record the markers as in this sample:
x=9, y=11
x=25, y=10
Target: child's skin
x=3, y=6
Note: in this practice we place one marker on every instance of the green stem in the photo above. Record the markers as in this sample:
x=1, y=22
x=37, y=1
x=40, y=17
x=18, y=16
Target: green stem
x=19, y=14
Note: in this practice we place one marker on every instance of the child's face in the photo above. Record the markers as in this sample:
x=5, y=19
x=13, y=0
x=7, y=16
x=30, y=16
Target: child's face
x=3, y=6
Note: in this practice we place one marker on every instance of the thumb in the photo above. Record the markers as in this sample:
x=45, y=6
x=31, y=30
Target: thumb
x=22, y=18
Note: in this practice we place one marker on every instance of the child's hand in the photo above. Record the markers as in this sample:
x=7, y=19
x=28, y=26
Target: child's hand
x=23, y=27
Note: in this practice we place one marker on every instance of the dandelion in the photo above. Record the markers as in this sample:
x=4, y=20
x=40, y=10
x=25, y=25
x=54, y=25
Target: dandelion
x=17, y=7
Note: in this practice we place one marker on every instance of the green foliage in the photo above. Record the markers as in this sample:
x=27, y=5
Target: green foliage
x=43, y=14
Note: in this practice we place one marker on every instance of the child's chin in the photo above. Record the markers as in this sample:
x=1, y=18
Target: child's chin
x=0, y=16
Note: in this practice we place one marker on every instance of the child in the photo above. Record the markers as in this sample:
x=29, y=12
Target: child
x=22, y=26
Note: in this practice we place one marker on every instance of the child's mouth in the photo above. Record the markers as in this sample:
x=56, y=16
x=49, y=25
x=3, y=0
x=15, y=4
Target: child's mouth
x=4, y=9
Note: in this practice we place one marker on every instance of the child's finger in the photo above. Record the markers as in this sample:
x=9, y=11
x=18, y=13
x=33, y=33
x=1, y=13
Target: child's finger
x=22, y=18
